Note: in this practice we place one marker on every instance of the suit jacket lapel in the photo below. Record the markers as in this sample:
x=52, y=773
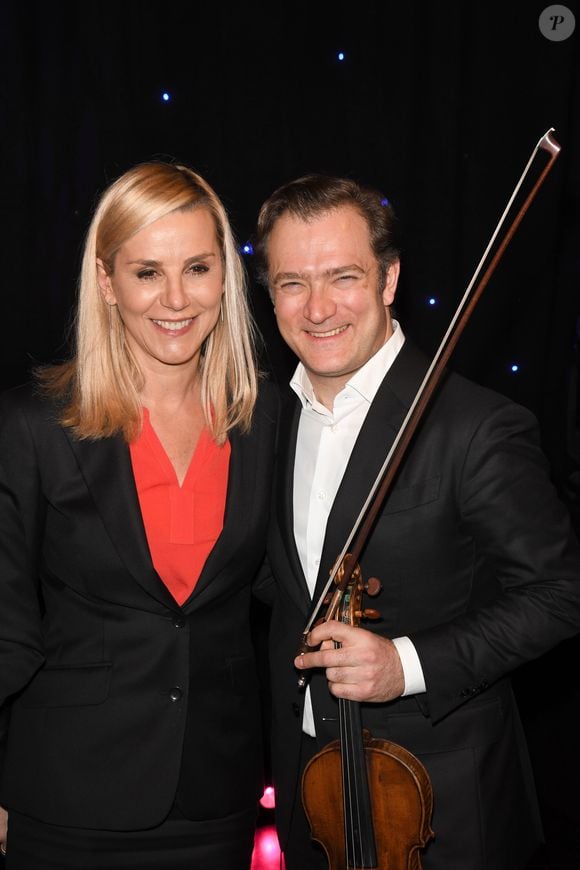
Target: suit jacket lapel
x=241, y=482
x=383, y=421
x=290, y=420
x=243, y=478
x=106, y=468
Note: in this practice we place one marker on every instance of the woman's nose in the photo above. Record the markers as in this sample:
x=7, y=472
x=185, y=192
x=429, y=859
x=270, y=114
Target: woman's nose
x=174, y=295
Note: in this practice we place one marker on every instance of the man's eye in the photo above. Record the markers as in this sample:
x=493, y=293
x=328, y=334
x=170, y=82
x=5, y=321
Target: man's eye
x=291, y=287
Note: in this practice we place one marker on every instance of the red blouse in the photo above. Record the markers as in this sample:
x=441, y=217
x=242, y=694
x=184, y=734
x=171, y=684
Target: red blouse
x=182, y=523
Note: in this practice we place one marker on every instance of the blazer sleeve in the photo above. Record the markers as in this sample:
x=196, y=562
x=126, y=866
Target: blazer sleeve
x=22, y=510
x=523, y=536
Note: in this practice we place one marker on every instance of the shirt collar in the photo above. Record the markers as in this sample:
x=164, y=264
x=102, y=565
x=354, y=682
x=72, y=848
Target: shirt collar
x=366, y=381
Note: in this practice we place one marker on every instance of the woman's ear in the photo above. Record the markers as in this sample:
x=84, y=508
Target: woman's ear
x=105, y=283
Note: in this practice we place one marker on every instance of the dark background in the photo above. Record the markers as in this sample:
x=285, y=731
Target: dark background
x=437, y=104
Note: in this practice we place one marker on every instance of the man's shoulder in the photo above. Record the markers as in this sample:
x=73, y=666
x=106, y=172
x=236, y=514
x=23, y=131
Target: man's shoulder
x=455, y=393
x=464, y=394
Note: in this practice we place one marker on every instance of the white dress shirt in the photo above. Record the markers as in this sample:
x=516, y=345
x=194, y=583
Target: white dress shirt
x=323, y=447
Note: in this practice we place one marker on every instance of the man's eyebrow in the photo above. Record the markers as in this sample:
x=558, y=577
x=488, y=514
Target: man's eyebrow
x=286, y=276
x=327, y=273
x=351, y=267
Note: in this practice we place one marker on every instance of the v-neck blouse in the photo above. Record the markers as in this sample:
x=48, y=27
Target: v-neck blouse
x=182, y=523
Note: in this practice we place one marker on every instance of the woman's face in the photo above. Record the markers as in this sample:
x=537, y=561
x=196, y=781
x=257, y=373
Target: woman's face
x=167, y=283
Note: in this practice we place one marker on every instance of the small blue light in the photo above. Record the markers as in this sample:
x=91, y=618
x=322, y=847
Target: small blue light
x=247, y=248
x=165, y=97
x=340, y=55
x=385, y=202
x=432, y=300
x=514, y=368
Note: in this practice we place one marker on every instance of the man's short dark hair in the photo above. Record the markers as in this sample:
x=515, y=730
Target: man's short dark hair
x=312, y=195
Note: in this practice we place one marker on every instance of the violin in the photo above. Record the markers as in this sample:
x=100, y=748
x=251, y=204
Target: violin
x=368, y=801
x=356, y=831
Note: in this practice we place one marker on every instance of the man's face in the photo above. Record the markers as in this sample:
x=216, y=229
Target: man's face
x=330, y=309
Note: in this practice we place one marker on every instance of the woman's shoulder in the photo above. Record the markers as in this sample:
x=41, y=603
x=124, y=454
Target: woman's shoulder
x=29, y=401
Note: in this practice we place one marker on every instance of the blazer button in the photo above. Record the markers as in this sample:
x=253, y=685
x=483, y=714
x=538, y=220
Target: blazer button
x=296, y=709
x=175, y=694
x=179, y=621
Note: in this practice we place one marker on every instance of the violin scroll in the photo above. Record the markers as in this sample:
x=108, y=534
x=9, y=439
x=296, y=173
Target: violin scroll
x=345, y=605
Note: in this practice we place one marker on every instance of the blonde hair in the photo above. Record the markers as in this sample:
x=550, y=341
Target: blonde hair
x=101, y=384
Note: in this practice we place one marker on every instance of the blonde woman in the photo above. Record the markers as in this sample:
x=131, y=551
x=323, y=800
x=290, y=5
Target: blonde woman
x=134, y=490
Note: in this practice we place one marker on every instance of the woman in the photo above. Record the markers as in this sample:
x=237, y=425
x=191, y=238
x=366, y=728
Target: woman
x=134, y=487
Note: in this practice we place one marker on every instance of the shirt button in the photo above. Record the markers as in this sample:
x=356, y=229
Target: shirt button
x=175, y=694
x=320, y=496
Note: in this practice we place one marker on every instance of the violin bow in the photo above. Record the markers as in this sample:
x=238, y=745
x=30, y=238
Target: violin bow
x=363, y=524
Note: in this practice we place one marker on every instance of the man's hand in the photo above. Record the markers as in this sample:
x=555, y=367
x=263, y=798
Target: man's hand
x=366, y=667
x=3, y=829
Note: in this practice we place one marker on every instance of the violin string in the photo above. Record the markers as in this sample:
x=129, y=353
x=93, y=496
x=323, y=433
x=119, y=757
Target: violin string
x=349, y=802
x=355, y=842
x=360, y=858
x=346, y=773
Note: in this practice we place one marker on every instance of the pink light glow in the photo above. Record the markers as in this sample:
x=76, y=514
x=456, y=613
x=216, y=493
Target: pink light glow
x=268, y=799
x=266, y=855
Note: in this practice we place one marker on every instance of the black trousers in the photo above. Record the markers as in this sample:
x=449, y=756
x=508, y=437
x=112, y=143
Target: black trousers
x=177, y=844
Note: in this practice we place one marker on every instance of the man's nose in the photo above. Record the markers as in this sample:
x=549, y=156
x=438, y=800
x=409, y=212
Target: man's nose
x=320, y=304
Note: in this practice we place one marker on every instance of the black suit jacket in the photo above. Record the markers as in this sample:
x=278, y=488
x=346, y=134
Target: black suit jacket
x=116, y=700
x=479, y=568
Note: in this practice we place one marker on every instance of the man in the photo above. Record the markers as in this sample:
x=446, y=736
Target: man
x=479, y=566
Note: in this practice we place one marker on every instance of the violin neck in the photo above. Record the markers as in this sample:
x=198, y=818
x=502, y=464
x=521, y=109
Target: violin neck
x=360, y=844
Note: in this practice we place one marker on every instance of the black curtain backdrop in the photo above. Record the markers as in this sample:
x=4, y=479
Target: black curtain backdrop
x=437, y=104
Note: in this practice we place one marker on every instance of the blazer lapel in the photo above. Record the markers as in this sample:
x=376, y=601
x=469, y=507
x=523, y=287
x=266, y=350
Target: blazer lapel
x=285, y=499
x=383, y=421
x=106, y=468
x=243, y=479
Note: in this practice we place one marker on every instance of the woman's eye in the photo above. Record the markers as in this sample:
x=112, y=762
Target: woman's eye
x=146, y=274
x=198, y=269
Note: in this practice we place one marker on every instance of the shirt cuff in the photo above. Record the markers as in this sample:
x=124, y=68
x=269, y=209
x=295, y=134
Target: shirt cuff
x=412, y=670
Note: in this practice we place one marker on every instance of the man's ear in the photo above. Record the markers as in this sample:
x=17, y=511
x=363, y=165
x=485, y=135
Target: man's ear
x=104, y=281
x=391, y=281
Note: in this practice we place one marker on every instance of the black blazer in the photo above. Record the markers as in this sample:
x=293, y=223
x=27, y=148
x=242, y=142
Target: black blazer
x=479, y=568
x=117, y=700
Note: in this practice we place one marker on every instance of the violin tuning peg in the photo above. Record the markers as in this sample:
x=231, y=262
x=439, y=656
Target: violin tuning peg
x=367, y=613
x=373, y=586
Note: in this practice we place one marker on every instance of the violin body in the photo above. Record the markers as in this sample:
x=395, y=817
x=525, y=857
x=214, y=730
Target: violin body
x=401, y=807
